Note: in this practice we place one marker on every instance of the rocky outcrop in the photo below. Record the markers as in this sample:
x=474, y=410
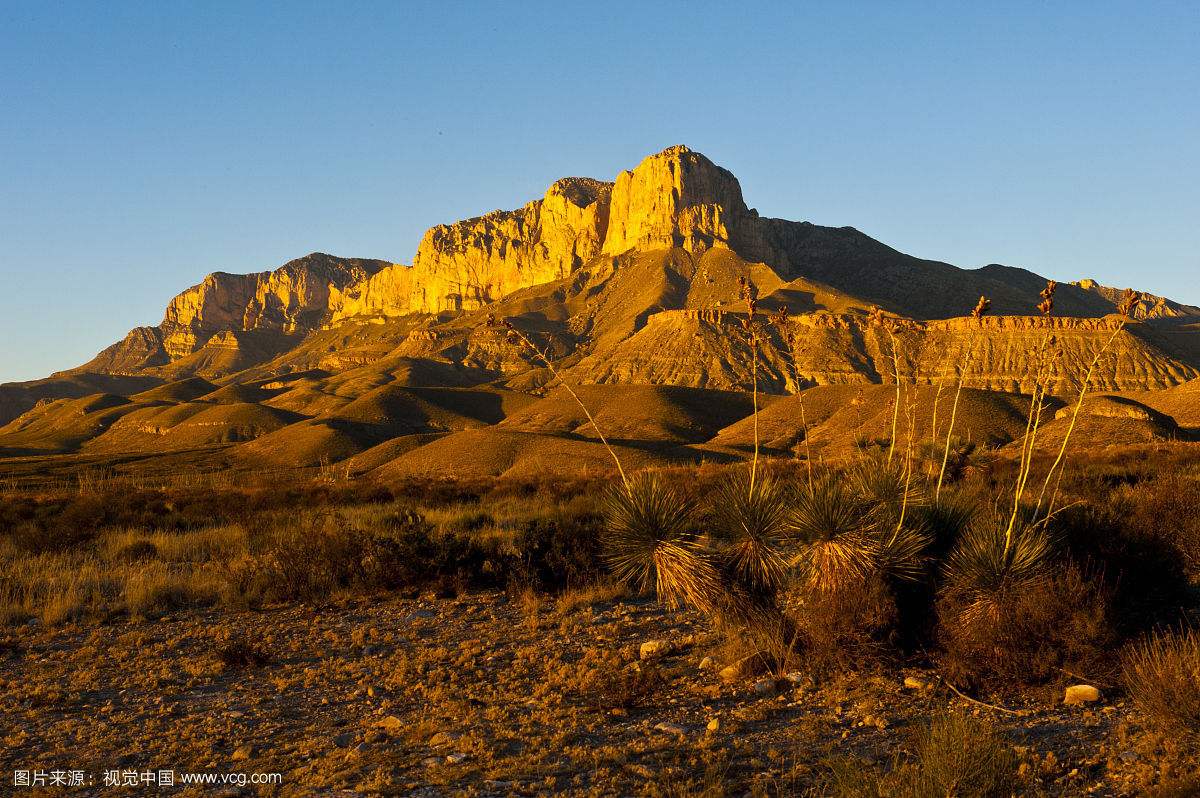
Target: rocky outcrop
x=293, y=298
x=1148, y=306
x=677, y=198
x=711, y=350
x=469, y=264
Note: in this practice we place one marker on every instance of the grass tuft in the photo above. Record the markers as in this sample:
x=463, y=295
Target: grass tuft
x=1162, y=674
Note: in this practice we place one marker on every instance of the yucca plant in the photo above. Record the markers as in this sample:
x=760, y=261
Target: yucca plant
x=947, y=518
x=650, y=541
x=899, y=531
x=981, y=307
x=886, y=484
x=990, y=557
x=749, y=530
x=834, y=530
x=1125, y=308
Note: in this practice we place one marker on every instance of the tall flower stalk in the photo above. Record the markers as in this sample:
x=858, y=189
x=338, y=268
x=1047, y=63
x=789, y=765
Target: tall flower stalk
x=750, y=294
x=1125, y=308
x=515, y=336
x=781, y=320
x=877, y=319
x=1036, y=406
x=981, y=307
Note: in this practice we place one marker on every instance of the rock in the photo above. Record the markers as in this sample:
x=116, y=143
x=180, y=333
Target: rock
x=747, y=666
x=914, y=683
x=1078, y=694
x=671, y=728
x=707, y=664
x=457, y=758
x=420, y=614
x=714, y=725
x=675, y=198
x=389, y=723
x=343, y=740
x=766, y=687
x=242, y=753
x=284, y=300
x=653, y=649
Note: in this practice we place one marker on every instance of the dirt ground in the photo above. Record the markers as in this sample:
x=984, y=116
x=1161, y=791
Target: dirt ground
x=481, y=694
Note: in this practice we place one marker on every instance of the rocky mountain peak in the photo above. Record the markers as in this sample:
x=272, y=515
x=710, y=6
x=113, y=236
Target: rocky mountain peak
x=676, y=198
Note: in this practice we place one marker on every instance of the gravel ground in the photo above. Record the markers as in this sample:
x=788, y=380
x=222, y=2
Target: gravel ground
x=483, y=695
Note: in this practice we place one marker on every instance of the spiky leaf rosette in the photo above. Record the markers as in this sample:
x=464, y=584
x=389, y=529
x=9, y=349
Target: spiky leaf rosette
x=886, y=485
x=650, y=540
x=748, y=529
x=948, y=517
x=901, y=550
x=835, y=531
x=988, y=559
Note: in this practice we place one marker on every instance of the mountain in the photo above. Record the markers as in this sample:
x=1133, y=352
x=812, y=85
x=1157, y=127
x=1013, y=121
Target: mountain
x=634, y=282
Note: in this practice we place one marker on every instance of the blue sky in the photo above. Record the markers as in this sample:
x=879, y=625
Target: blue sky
x=143, y=145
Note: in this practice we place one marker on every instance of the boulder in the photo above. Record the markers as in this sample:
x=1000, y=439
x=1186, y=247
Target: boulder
x=1078, y=694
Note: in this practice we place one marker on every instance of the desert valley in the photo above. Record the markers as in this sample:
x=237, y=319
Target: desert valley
x=628, y=491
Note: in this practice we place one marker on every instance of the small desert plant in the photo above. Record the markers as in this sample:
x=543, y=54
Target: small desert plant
x=651, y=542
x=622, y=689
x=155, y=591
x=1162, y=675
x=1021, y=635
x=953, y=755
x=240, y=652
x=748, y=527
x=961, y=755
x=835, y=530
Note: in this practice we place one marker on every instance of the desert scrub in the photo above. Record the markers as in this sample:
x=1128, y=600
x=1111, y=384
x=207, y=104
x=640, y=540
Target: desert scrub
x=155, y=590
x=1026, y=633
x=1162, y=675
x=953, y=755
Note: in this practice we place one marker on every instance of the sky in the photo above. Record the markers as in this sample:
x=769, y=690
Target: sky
x=144, y=145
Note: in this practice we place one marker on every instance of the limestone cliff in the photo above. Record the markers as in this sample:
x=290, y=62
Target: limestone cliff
x=677, y=198
x=469, y=264
x=602, y=259
x=295, y=297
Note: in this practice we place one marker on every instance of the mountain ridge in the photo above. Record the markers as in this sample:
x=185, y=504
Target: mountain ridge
x=638, y=281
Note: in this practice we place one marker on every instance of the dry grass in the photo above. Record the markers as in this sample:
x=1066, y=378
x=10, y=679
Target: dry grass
x=1162, y=675
x=954, y=755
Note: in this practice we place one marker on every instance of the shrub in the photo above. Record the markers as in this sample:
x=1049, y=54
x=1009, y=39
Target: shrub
x=650, y=542
x=241, y=653
x=748, y=524
x=1024, y=633
x=155, y=591
x=834, y=528
x=621, y=689
x=1162, y=674
x=954, y=754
